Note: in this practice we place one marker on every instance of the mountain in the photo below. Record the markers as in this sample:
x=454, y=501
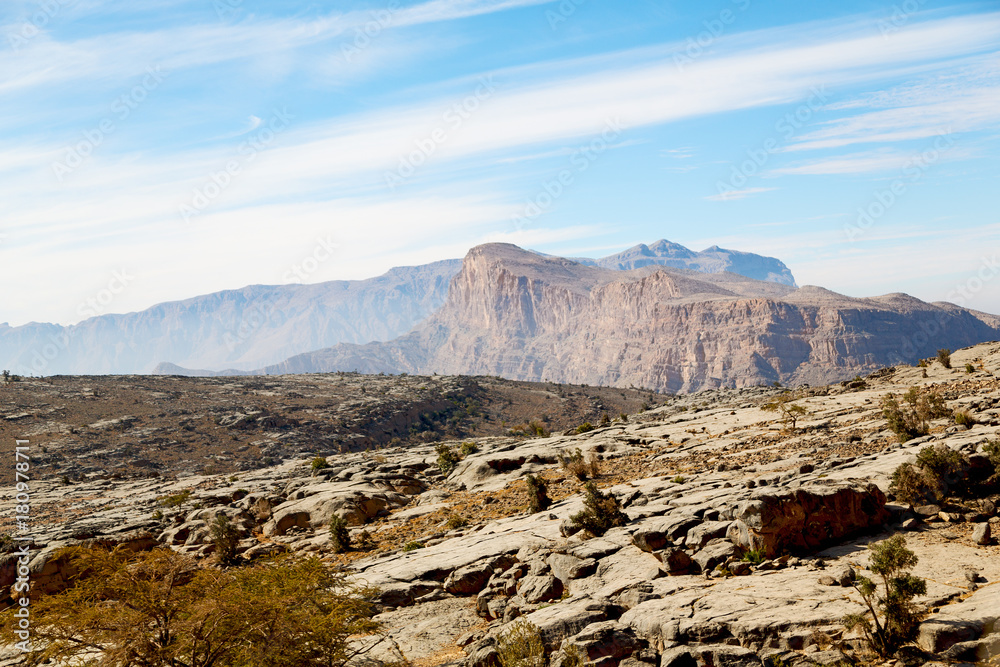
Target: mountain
x=523, y=316
x=236, y=329
x=710, y=260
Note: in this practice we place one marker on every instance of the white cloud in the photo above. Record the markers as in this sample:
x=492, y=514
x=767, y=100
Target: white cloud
x=734, y=195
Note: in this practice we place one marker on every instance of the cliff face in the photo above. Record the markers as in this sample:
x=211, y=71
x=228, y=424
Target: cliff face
x=522, y=316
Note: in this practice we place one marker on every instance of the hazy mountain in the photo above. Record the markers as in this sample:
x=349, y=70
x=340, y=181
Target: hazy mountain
x=235, y=329
x=523, y=316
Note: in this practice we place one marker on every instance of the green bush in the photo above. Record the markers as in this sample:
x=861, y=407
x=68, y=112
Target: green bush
x=319, y=463
x=469, y=448
x=175, y=499
x=456, y=521
x=963, y=418
x=969, y=368
x=909, y=417
x=944, y=356
x=891, y=619
x=340, y=536
x=939, y=470
x=538, y=494
x=790, y=411
x=447, y=459
x=600, y=513
x=226, y=538
x=520, y=645
x=413, y=546
x=584, y=427
x=755, y=556
x=992, y=449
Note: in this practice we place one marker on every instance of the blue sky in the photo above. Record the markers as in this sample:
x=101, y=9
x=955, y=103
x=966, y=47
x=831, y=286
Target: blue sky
x=161, y=149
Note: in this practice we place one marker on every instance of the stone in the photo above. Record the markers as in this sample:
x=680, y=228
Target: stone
x=715, y=552
x=676, y=561
x=540, y=588
x=705, y=532
x=559, y=621
x=566, y=568
x=604, y=643
x=679, y=656
x=471, y=579
x=982, y=535
x=728, y=656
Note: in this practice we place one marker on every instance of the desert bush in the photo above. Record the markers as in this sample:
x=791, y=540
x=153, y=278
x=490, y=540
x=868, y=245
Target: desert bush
x=891, y=618
x=456, y=521
x=340, y=536
x=520, y=645
x=158, y=608
x=909, y=418
x=413, y=546
x=963, y=418
x=911, y=486
x=447, y=459
x=942, y=462
x=469, y=447
x=365, y=541
x=319, y=463
x=584, y=427
x=790, y=411
x=574, y=463
x=922, y=363
x=992, y=449
x=538, y=494
x=679, y=479
x=605, y=419
x=175, y=499
x=600, y=513
x=969, y=368
x=754, y=556
x=939, y=470
x=225, y=537
x=944, y=356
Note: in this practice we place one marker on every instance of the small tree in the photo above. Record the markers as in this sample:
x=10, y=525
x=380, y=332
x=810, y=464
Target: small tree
x=894, y=618
x=790, y=412
x=601, y=512
x=538, y=494
x=340, y=536
x=944, y=356
x=909, y=418
x=938, y=470
x=226, y=538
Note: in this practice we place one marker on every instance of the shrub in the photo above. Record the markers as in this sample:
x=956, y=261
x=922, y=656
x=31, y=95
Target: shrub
x=992, y=449
x=969, y=368
x=755, y=556
x=520, y=645
x=911, y=486
x=939, y=469
x=909, y=418
x=160, y=608
x=538, y=494
x=413, y=546
x=447, y=459
x=319, y=463
x=922, y=363
x=469, y=448
x=963, y=418
x=605, y=419
x=225, y=537
x=457, y=521
x=574, y=464
x=584, y=427
x=944, y=356
x=680, y=479
x=790, y=412
x=340, y=536
x=365, y=541
x=600, y=513
x=893, y=619
x=175, y=499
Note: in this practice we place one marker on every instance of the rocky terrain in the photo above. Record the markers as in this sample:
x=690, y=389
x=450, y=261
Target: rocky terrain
x=704, y=480
x=516, y=314
x=140, y=426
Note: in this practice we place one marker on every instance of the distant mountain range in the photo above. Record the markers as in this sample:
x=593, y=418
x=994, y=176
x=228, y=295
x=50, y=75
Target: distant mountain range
x=521, y=315
x=257, y=326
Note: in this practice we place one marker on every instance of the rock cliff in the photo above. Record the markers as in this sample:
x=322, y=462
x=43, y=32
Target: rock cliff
x=519, y=315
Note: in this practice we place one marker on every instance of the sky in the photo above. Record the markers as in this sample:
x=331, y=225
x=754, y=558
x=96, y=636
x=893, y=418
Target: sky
x=154, y=150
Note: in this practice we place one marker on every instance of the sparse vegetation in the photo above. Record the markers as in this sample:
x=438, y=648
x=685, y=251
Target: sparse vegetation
x=573, y=462
x=226, y=538
x=891, y=618
x=340, y=536
x=790, y=411
x=447, y=459
x=413, y=546
x=969, y=368
x=175, y=499
x=944, y=356
x=456, y=521
x=754, y=556
x=679, y=479
x=469, y=447
x=939, y=470
x=319, y=463
x=159, y=608
x=601, y=512
x=964, y=418
x=910, y=417
x=585, y=427
x=520, y=645
x=538, y=494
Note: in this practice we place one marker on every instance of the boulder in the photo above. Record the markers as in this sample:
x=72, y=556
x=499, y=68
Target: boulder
x=471, y=579
x=559, y=621
x=567, y=568
x=675, y=561
x=705, y=532
x=981, y=534
x=807, y=518
x=715, y=552
x=728, y=656
x=605, y=643
x=539, y=588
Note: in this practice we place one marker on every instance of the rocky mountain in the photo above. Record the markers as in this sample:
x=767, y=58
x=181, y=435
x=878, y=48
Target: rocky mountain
x=710, y=260
x=238, y=329
x=739, y=541
x=523, y=316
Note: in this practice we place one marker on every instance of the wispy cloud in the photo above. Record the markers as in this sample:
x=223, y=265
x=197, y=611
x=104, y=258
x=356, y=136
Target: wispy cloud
x=733, y=195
